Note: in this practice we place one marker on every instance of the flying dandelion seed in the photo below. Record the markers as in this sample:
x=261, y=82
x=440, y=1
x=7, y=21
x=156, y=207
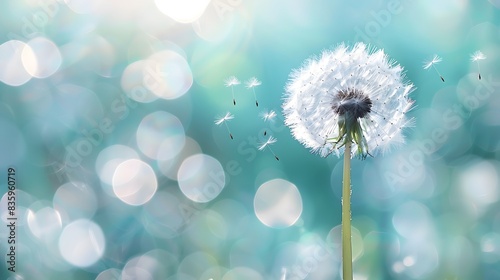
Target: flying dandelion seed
x=224, y=120
x=268, y=116
x=348, y=100
x=271, y=140
x=431, y=63
x=475, y=57
x=231, y=82
x=252, y=83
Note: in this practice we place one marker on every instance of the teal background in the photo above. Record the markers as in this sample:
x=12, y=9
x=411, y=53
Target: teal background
x=427, y=210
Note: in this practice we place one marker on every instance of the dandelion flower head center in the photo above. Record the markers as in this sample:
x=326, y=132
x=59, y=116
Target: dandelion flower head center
x=352, y=104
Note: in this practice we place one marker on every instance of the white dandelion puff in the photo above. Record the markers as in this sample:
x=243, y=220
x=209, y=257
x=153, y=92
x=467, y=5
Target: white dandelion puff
x=475, y=57
x=252, y=83
x=231, y=82
x=432, y=62
x=223, y=120
x=348, y=95
x=267, y=144
x=268, y=116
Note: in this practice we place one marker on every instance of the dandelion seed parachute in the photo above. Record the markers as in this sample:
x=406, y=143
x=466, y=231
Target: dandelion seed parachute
x=252, y=83
x=432, y=62
x=271, y=140
x=475, y=57
x=223, y=120
x=342, y=86
x=230, y=82
x=435, y=60
x=268, y=116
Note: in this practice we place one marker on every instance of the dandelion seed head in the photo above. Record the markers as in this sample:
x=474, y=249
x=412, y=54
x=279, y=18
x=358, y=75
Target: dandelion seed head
x=477, y=55
x=433, y=61
x=268, y=115
x=271, y=140
x=220, y=120
x=231, y=81
x=348, y=94
x=252, y=82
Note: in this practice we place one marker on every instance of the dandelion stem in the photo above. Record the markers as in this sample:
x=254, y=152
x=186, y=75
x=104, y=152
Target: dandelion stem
x=227, y=127
x=478, y=70
x=275, y=156
x=442, y=79
x=255, y=96
x=232, y=91
x=346, y=215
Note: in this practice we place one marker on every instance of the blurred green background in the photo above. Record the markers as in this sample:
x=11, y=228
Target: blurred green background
x=107, y=115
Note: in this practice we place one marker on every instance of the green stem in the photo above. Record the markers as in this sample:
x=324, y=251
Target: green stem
x=346, y=215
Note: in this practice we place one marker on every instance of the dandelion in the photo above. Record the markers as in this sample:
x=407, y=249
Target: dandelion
x=475, y=57
x=435, y=60
x=223, y=120
x=350, y=101
x=271, y=140
x=268, y=116
x=252, y=83
x=231, y=82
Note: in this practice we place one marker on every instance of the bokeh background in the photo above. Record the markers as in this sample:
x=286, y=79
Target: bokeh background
x=107, y=115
